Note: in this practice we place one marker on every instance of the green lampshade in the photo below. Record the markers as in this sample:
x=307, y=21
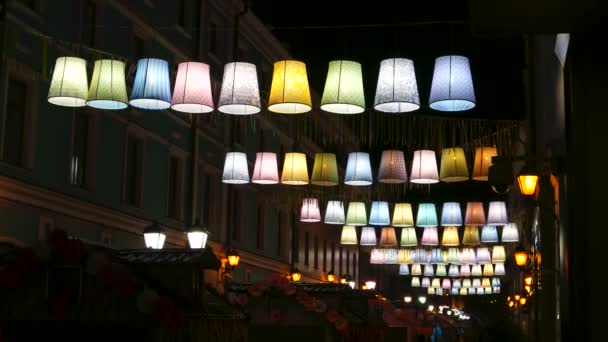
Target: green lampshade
x=343, y=93
x=325, y=170
x=356, y=215
x=427, y=215
x=108, y=88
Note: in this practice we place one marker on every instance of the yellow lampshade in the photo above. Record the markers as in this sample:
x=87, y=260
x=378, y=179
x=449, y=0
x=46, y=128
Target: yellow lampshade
x=527, y=184
x=289, y=93
x=483, y=161
x=295, y=169
x=453, y=165
x=402, y=215
x=528, y=280
x=233, y=257
x=296, y=276
x=349, y=236
x=325, y=170
x=331, y=277
x=521, y=258
x=471, y=236
x=69, y=85
x=450, y=237
x=108, y=89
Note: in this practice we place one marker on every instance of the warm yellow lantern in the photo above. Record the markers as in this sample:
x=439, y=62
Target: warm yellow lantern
x=295, y=169
x=325, y=170
x=528, y=279
x=233, y=257
x=343, y=279
x=289, y=93
x=517, y=297
x=523, y=300
x=331, y=277
x=521, y=256
x=511, y=304
x=527, y=180
x=453, y=165
x=296, y=275
x=483, y=161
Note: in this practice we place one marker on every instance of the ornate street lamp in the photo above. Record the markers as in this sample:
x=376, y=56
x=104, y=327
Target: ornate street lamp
x=331, y=277
x=197, y=237
x=154, y=236
x=527, y=180
x=521, y=256
x=233, y=257
x=296, y=275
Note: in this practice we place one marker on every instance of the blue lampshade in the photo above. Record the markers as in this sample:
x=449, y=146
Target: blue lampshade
x=380, y=214
x=152, y=87
x=451, y=215
x=427, y=215
x=452, y=87
x=358, y=169
x=489, y=234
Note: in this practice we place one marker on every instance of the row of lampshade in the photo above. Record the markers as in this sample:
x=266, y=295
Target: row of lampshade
x=455, y=256
x=454, y=271
x=462, y=287
x=396, y=91
x=392, y=168
x=451, y=214
x=463, y=292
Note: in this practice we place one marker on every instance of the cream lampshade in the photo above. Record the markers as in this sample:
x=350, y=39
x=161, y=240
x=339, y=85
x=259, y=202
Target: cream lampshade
x=476, y=271
x=349, y=236
x=415, y=282
x=476, y=283
x=463, y=292
x=424, y=167
x=436, y=283
x=69, y=84
x=416, y=270
x=402, y=215
x=498, y=254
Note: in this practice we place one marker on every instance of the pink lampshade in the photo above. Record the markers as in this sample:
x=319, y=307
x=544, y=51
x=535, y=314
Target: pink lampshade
x=265, y=170
x=192, y=92
x=430, y=237
x=310, y=210
x=475, y=215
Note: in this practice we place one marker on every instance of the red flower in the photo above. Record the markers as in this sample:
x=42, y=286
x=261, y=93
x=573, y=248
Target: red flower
x=320, y=306
x=275, y=315
x=332, y=316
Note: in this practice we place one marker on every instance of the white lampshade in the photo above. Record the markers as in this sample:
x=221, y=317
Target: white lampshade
x=454, y=291
x=465, y=271
x=426, y=282
x=358, y=169
x=439, y=292
x=456, y=283
x=497, y=214
x=453, y=256
x=197, y=237
x=450, y=237
x=436, y=283
x=452, y=87
x=483, y=256
x=334, y=213
x=446, y=284
x=485, y=283
x=310, y=211
x=349, y=235
x=463, y=292
x=356, y=214
x=397, y=89
x=265, y=170
x=466, y=283
x=427, y=215
x=404, y=256
x=453, y=271
x=451, y=215
x=499, y=269
x=404, y=269
x=154, y=236
x=496, y=289
x=498, y=254
x=495, y=282
x=436, y=256
x=489, y=234
x=416, y=270
x=510, y=233
x=69, y=84
x=240, y=94
x=476, y=283
x=402, y=215
x=488, y=270
x=473, y=291
x=428, y=271
x=236, y=170
x=415, y=282
x=368, y=236
x=476, y=271
x=441, y=271
x=370, y=284
x=376, y=257
x=467, y=256
x=408, y=237
x=379, y=214
x=430, y=237
x=388, y=238
x=391, y=256
x=424, y=167
x=475, y=215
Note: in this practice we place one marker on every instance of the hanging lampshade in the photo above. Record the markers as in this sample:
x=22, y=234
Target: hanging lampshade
x=108, y=90
x=497, y=214
x=392, y=167
x=453, y=271
x=454, y=291
x=404, y=269
x=489, y=234
x=436, y=283
x=379, y=214
x=463, y=292
x=466, y=283
x=397, y=89
x=487, y=290
x=430, y=291
x=483, y=161
x=485, y=283
x=476, y=271
x=467, y=256
x=236, y=170
x=240, y=94
x=415, y=282
x=495, y=282
x=265, y=170
x=416, y=270
x=465, y=271
x=376, y=257
x=498, y=254
x=343, y=93
x=450, y=237
x=334, y=213
x=426, y=282
x=446, y=284
x=428, y=271
x=368, y=236
x=424, y=256
x=358, y=169
x=325, y=170
x=197, y=237
x=483, y=256
x=499, y=269
x=69, y=85
x=402, y=215
x=470, y=236
x=430, y=237
x=356, y=214
x=451, y=215
x=475, y=215
x=488, y=270
x=452, y=87
x=444, y=254
x=154, y=236
x=408, y=237
x=496, y=289
x=289, y=92
x=473, y=291
x=453, y=256
x=441, y=271
x=295, y=169
x=424, y=167
x=436, y=256
x=510, y=233
x=453, y=165
x=404, y=256
x=310, y=211
x=349, y=235
x=427, y=215
x=192, y=92
x=391, y=256
x=152, y=87
x=388, y=237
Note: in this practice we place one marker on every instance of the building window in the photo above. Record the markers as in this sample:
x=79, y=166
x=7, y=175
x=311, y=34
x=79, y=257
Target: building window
x=14, y=123
x=259, y=239
x=213, y=33
x=316, y=251
x=174, y=196
x=80, y=146
x=89, y=23
x=133, y=170
x=182, y=14
x=306, y=249
x=324, y=255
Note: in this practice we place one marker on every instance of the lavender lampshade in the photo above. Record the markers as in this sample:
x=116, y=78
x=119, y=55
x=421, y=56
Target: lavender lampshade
x=368, y=236
x=430, y=237
x=310, y=210
x=497, y=214
x=452, y=86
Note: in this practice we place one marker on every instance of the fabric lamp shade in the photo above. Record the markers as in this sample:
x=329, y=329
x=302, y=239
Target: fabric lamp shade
x=152, y=87
x=489, y=234
x=240, y=94
x=108, y=90
x=356, y=214
x=483, y=256
x=325, y=170
x=402, y=215
x=465, y=271
x=415, y=282
x=431, y=291
x=192, y=92
x=446, y=284
x=349, y=235
x=488, y=270
x=404, y=256
x=495, y=282
x=424, y=167
x=463, y=292
x=453, y=256
x=499, y=269
x=436, y=283
x=496, y=289
x=451, y=215
x=453, y=165
x=452, y=86
x=427, y=215
x=265, y=170
x=473, y=291
x=404, y=269
x=368, y=236
x=426, y=282
x=358, y=169
x=466, y=283
x=392, y=167
x=289, y=92
x=453, y=291
x=388, y=238
x=483, y=161
x=476, y=271
x=408, y=237
x=453, y=271
x=471, y=236
x=428, y=271
x=416, y=270
x=397, y=89
x=441, y=271
x=487, y=290
x=391, y=256
x=450, y=237
x=456, y=283
x=430, y=237
x=439, y=291
x=376, y=257
x=497, y=214
x=475, y=215
x=467, y=256
x=343, y=93
x=379, y=214
x=498, y=254
x=436, y=256
x=295, y=169
x=69, y=84
x=236, y=170
x=485, y=283
x=310, y=211
x=510, y=233
x=334, y=213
